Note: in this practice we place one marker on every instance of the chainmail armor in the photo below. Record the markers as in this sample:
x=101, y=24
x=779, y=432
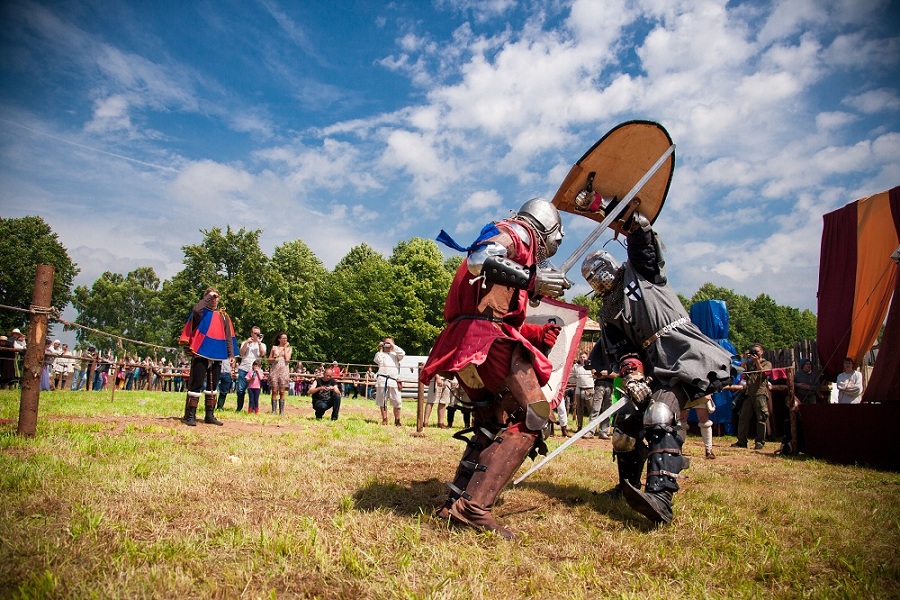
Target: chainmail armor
x=613, y=303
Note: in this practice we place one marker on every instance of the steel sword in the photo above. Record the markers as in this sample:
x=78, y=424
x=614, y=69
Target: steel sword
x=592, y=237
x=577, y=436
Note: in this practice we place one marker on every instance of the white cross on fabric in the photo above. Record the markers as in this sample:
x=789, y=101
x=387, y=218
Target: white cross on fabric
x=633, y=291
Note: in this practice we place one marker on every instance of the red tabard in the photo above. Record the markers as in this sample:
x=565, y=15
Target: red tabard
x=468, y=341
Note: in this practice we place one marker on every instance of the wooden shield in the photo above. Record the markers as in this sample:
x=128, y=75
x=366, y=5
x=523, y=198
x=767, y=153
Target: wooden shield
x=613, y=166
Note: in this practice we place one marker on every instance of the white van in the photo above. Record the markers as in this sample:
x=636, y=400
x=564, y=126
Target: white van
x=409, y=375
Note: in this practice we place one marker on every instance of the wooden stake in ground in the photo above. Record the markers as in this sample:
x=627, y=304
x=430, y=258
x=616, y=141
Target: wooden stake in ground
x=420, y=405
x=34, y=354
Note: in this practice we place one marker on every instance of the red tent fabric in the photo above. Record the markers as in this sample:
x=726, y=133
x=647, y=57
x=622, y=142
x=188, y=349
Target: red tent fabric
x=884, y=384
x=857, y=279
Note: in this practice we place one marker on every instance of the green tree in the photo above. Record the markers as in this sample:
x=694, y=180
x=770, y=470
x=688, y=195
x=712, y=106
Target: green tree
x=760, y=320
x=423, y=283
x=362, y=305
x=129, y=306
x=593, y=302
x=296, y=282
x=452, y=264
x=232, y=262
x=25, y=243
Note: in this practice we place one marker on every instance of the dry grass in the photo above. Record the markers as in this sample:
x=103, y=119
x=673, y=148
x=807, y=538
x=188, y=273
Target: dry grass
x=121, y=500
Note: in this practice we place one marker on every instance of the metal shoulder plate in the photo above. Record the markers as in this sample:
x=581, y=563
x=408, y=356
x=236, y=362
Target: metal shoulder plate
x=521, y=231
x=499, y=269
x=475, y=260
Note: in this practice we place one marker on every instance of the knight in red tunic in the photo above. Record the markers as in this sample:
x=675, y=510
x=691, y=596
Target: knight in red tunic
x=208, y=336
x=498, y=359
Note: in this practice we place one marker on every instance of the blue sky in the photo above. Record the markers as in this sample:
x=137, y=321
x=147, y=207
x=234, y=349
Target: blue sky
x=130, y=126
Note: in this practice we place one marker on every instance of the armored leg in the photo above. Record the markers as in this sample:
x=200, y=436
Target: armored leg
x=664, y=462
x=629, y=451
x=521, y=402
x=482, y=438
x=504, y=456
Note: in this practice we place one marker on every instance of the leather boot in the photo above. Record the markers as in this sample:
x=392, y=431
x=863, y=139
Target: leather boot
x=500, y=461
x=565, y=432
x=656, y=506
x=468, y=464
x=630, y=465
x=190, y=409
x=210, y=417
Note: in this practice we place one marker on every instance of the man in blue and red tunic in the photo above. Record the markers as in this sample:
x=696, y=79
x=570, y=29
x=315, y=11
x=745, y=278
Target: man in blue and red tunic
x=209, y=338
x=499, y=360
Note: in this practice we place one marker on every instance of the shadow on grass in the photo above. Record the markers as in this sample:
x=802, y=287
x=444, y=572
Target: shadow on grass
x=423, y=497
x=572, y=495
x=408, y=499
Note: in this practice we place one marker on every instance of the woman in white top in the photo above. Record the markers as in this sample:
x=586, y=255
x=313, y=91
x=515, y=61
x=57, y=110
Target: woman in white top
x=849, y=384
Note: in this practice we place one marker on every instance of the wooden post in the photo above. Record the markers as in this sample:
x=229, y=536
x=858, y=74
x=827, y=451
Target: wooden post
x=420, y=404
x=115, y=371
x=34, y=354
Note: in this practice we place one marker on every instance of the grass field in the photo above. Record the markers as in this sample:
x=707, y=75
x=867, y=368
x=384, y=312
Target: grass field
x=120, y=499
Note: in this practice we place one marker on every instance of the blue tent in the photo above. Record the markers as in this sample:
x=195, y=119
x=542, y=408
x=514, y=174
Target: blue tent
x=711, y=317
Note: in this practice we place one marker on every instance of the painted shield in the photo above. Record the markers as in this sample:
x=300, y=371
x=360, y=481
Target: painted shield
x=608, y=171
x=571, y=319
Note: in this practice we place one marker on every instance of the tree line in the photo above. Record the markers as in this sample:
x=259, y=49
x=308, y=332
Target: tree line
x=337, y=314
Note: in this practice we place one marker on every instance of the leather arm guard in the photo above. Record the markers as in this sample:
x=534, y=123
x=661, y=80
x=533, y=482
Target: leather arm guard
x=499, y=269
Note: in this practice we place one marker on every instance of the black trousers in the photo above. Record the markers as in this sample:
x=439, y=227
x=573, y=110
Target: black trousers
x=204, y=373
x=325, y=401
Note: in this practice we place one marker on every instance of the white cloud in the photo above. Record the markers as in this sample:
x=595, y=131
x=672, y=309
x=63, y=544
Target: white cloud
x=875, y=101
x=205, y=184
x=834, y=119
x=110, y=114
x=480, y=201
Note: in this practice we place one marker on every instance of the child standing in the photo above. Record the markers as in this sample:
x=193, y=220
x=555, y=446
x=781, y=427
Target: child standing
x=254, y=377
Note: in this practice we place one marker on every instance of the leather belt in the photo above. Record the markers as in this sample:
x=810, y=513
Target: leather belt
x=664, y=331
x=477, y=318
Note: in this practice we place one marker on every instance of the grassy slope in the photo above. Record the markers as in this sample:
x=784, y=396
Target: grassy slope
x=119, y=499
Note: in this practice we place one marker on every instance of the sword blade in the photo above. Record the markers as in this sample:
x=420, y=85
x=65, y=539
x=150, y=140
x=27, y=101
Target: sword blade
x=592, y=237
x=577, y=436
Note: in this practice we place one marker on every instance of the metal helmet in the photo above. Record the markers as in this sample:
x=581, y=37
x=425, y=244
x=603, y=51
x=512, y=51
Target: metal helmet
x=543, y=216
x=601, y=271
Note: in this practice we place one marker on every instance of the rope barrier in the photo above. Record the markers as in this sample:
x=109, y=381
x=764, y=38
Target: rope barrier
x=53, y=313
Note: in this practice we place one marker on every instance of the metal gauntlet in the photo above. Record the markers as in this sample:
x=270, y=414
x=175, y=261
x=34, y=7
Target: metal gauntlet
x=499, y=269
x=550, y=282
x=638, y=388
